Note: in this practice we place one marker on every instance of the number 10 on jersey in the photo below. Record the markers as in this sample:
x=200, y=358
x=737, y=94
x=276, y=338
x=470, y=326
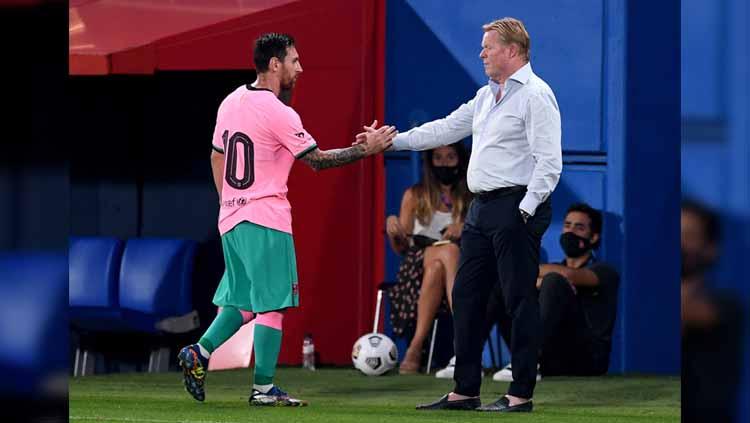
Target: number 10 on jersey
x=232, y=144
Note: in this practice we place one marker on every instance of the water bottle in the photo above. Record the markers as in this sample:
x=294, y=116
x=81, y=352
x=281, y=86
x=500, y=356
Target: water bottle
x=308, y=353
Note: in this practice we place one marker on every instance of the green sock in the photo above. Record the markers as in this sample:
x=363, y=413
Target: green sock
x=226, y=323
x=267, y=344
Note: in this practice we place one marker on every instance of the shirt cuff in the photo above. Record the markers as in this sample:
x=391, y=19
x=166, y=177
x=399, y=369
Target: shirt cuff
x=529, y=204
x=400, y=142
x=304, y=152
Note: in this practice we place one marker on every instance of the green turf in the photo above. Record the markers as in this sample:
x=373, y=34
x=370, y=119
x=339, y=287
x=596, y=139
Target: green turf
x=342, y=395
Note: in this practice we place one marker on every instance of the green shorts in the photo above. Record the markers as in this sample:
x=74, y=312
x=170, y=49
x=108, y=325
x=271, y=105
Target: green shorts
x=261, y=269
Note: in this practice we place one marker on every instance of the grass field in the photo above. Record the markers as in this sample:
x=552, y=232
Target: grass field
x=342, y=395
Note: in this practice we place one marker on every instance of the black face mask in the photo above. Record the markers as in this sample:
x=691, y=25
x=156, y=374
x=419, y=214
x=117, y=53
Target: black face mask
x=571, y=245
x=447, y=175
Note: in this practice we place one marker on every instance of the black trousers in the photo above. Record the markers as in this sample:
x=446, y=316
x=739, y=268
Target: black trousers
x=569, y=347
x=497, y=247
x=712, y=362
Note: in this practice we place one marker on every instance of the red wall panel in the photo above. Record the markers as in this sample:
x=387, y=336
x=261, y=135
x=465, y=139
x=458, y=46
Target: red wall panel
x=334, y=211
x=337, y=213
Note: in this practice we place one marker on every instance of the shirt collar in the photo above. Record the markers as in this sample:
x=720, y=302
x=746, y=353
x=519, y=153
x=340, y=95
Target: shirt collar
x=521, y=76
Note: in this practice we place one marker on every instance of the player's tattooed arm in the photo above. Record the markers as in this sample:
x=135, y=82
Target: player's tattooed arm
x=373, y=141
x=324, y=159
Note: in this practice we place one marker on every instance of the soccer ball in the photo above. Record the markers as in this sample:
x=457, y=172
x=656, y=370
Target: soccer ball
x=374, y=354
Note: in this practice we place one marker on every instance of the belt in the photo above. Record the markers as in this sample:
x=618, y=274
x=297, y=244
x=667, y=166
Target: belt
x=500, y=192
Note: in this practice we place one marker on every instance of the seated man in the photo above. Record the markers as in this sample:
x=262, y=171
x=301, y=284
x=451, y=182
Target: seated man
x=577, y=300
x=712, y=324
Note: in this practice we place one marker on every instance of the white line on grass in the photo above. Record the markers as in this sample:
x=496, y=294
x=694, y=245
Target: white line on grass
x=126, y=419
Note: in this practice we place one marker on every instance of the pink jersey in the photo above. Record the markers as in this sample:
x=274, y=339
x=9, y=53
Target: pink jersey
x=260, y=137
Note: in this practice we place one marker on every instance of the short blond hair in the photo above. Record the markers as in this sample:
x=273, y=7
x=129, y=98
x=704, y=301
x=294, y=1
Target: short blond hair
x=511, y=30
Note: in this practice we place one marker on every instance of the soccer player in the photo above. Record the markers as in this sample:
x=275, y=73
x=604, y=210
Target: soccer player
x=256, y=140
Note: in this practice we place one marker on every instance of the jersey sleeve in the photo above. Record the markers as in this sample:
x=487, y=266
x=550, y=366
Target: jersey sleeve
x=288, y=128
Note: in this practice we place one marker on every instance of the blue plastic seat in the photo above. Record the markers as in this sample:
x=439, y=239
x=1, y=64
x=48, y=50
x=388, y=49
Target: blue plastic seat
x=93, y=291
x=155, y=281
x=32, y=309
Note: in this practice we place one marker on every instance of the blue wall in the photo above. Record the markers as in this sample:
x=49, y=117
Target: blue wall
x=651, y=185
x=618, y=154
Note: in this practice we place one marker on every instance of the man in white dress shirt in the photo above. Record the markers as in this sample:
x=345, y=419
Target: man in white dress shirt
x=515, y=164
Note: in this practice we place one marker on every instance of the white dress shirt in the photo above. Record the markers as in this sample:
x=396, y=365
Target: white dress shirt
x=515, y=141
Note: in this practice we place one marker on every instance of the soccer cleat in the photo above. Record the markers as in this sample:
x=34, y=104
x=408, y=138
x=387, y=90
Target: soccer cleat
x=274, y=397
x=194, y=367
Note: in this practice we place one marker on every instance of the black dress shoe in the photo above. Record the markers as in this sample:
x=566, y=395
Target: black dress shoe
x=503, y=406
x=444, y=404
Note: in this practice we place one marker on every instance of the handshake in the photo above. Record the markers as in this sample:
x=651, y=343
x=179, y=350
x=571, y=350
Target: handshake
x=375, y=140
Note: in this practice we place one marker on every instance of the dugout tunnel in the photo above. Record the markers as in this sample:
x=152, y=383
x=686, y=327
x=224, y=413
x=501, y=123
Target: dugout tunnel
x=146, y=79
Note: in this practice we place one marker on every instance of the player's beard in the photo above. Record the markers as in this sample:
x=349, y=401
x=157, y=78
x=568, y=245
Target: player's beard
x=285, y=94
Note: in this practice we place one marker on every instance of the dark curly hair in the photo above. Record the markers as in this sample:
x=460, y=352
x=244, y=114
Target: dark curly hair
x=270, y=45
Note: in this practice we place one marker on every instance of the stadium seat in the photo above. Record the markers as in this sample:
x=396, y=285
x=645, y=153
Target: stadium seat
x=32, y=309
x=94, y=269
x=156, y=290
x=143, y=287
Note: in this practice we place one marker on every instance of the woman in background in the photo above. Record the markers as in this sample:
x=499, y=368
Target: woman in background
x=431, y=211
